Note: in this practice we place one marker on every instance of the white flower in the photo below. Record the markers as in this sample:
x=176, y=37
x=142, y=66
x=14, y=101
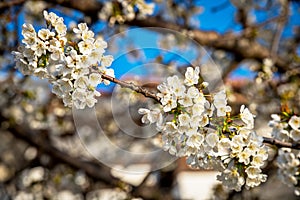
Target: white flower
x=220, y=99
x=78, y=97
x=295, y=135
x=190, y=130
x=184, y=119
x=197, y=109
x=50, y=17
x=145, y=9
x=247, y=117
x=294, y=122
x=72, y=59
x=55, y=55
x=193, y=92
x=204, y=120
x=61, y=29
x=41, y=72
x=238, y=139
x=275, y=117
x=39, y=48
x=172, y=81
x=85, y=46
x=169, y=102
x=212, y=139
x=209, y=108
x=82, y=27
x=45, y=34
x=236, y=147
x=57, y=90
x=186, y=101
x=191, y=76
x=283, y=135
x=106, y=60
x=195, y=140
x=195, y=121
x=94, y=79
x=164, y=90
x=88, y=35
x=224, y=146
x=29, y=41
x=263, y=152
x=28, y=30
x=178, y=89
x=170, y=128
x=91, y=100
x=257, y=160
x=221, y=111
x=253, y=172
x=231, y=179
x=252, y=147
x=29, y=54
x=65, y=85
x=100, y=44
x=150, y=116
x=253, y=182
x=95, y=56
x=81, y=82
x=244, y=156
x=84, y=61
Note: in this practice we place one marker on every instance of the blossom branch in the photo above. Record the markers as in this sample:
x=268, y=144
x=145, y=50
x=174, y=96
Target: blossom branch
x=281, y=144
x=147, y=93
x=132, y=86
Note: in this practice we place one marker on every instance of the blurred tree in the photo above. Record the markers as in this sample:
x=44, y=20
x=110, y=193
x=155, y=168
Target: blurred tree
x=40, y=155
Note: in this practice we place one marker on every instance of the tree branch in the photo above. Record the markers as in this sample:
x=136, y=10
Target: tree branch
x=132, y=86
x=281, y=144
x=240, y=46
x=236, y=44
x=280, y=27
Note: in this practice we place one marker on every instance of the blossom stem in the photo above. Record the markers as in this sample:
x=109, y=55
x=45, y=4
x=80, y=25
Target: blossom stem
x=281, y=144
x=132, y=86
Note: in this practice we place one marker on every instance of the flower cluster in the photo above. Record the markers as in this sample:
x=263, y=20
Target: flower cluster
x=286, y=127
x=199, y=126
x=249, y=155
x=125, y=10
x=73, y=68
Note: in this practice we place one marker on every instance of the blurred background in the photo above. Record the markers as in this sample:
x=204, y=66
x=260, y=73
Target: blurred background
x=250, y=47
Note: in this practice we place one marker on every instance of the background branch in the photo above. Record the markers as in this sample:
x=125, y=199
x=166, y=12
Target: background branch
x=11, y=3
x=93, y=169
x=236, y=44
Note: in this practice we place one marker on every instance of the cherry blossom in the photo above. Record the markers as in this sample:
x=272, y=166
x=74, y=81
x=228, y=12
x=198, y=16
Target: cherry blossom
x=73, y=70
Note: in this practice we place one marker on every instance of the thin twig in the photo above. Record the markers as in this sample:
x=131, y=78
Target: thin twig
x=132, y=86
